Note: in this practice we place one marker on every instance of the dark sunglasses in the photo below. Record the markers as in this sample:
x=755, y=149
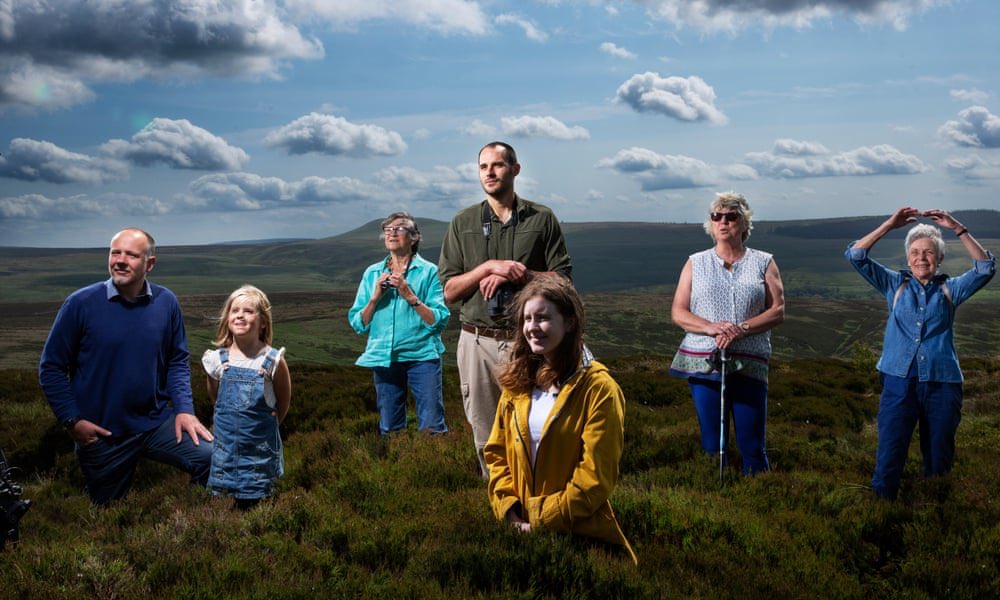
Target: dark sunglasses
x=730, y=217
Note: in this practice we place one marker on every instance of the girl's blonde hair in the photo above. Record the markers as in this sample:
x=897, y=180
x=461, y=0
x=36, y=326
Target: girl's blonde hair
x=223, y=337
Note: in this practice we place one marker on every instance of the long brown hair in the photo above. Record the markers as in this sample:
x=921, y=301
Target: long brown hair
x=527, y=369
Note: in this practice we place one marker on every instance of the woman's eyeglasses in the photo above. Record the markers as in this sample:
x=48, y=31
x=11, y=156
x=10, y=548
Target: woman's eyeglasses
x=396, y=229
x=730, y=217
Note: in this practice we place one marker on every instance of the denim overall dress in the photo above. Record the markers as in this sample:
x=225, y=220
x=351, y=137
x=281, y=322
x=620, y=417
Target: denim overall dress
x=247, y=456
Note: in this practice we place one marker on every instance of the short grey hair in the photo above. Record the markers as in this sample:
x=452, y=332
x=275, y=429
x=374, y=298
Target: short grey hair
x=409, y=223
x=730, y=201
x=930, y=232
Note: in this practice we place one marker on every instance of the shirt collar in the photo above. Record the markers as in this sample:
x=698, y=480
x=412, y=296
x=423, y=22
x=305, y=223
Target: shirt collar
x=112, y=290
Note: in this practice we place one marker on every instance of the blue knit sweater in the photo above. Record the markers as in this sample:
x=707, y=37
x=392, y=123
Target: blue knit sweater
x=119, y=364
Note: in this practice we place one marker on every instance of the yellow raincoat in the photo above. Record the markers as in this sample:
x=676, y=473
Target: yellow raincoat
x=576, y=466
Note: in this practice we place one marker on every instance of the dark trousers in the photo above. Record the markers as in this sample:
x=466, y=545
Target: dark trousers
x=108, y=464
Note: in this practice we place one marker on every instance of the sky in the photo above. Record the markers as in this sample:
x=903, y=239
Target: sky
x=205, y=121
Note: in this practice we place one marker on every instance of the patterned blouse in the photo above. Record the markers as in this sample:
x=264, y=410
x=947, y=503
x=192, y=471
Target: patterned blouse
x=718, y=294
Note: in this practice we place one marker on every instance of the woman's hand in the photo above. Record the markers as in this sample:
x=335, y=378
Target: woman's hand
x=902, y=217
x=943, y=219
x=724, y=332
x=728, y=333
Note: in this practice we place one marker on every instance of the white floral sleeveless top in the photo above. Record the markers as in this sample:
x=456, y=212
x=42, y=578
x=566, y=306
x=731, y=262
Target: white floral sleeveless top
x=718, y=294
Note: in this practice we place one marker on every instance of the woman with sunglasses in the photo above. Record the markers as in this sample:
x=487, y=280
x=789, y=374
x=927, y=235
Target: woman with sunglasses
x=728, y=299
x=400, y=305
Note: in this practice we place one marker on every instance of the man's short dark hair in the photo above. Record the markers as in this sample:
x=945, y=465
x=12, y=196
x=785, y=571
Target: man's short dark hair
x=509, y=154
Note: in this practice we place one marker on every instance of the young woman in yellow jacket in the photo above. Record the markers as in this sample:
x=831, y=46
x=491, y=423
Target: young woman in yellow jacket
x=558, y=435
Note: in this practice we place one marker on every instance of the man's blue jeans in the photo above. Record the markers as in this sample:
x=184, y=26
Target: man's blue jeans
x=423, y=377
x=746, y=402
x=905, y=402
x=108, y=464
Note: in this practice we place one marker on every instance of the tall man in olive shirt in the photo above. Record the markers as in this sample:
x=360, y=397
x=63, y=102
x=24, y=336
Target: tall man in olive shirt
x=491, y=249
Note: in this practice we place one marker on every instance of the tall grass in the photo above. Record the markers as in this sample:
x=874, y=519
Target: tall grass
x=360, y=515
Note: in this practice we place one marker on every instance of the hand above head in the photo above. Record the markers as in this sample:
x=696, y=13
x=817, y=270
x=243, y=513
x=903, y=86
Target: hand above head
x=903, y=217
x=186, y=422
x=943, y=219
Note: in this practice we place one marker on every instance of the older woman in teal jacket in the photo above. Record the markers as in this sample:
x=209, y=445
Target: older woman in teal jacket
x=400, y=305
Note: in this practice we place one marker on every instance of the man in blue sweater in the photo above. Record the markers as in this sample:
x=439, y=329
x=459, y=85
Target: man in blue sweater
x=115, y=371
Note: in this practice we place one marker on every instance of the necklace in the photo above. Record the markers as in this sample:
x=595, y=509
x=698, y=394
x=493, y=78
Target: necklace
x=392, y=264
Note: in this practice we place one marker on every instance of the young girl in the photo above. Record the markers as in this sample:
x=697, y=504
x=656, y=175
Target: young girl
x=249, y=383
x=559, y=428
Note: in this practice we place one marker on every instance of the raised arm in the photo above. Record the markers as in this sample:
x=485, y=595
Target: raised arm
x=901, y=218
x=944, y=220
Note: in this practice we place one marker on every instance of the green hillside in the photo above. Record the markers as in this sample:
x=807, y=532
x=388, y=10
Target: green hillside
x=626, y=271
x=610, y=257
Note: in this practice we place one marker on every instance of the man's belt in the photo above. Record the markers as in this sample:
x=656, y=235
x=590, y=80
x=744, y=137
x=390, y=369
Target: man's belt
x=490, y=332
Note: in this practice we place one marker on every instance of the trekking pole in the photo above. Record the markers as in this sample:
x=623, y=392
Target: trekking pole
x=722, y=412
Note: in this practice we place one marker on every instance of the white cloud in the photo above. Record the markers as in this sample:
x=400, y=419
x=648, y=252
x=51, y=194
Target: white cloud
x=34, y=160
x=328, y=134
x=531, y=31
x=686, y=99
x=729, y=16
x=478, y=128
x=797, y=148
x=532, y=126
x=442, y=184
x=39, y=207
x=809, y=161
x=973, y=96
x=976, y=127
x=393, y=185
x=446, y=16
x=25, y=85
x=613, y=50
x=178, y=144
x=249, y=191
x=52, y=50
x=973, y=169
x=665, y=171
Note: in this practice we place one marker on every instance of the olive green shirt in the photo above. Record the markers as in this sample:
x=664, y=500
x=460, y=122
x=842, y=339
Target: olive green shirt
x=533, y=239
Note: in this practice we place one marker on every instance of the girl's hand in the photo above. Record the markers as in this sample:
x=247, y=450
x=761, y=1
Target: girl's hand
x=517, y=522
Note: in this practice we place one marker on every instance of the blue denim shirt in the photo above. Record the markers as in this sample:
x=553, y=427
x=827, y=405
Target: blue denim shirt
x=921, y=319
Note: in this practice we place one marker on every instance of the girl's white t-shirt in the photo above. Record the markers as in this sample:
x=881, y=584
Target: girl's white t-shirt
x=213, y=367
x=542, y=402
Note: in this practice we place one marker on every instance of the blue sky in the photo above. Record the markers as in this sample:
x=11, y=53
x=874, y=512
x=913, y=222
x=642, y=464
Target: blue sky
x=206, y=121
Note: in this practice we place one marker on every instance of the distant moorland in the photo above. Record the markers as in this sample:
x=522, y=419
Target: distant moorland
x=626, y=271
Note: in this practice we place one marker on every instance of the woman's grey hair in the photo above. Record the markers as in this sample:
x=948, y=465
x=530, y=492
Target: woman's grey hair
x=930, y=232
x=409, y=223
x=730, y=201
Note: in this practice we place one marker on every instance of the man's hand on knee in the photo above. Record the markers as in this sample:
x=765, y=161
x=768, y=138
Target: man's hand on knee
x=186, y=422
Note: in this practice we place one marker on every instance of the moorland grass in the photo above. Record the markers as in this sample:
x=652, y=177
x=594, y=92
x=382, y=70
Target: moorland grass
x=359, y=515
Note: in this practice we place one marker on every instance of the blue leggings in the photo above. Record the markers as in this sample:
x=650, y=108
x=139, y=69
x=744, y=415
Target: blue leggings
x=746, y=407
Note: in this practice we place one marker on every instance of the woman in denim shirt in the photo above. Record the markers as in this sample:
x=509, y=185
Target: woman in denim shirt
x=921, y=378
